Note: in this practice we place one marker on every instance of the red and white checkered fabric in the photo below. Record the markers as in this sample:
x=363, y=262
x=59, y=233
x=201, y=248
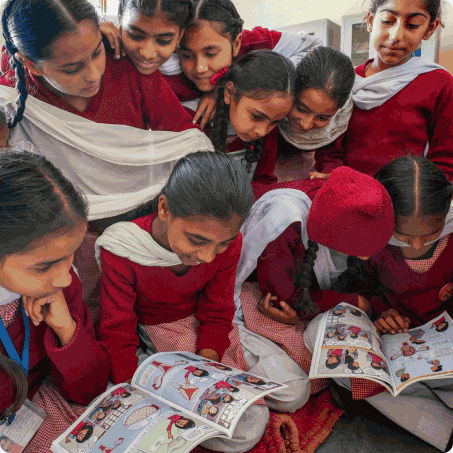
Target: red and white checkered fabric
x=422, y=266
x=60, y=414
x=182, y=336
x=8, y=312
x=288, y=337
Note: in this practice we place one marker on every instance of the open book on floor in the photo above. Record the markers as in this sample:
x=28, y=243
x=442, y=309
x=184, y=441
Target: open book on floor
x=349, y=345
x=175, y=401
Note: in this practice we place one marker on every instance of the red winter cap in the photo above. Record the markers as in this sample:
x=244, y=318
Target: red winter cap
x=352, y=214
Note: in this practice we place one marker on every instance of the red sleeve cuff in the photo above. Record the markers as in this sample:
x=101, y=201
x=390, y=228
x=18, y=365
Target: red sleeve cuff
x=214, y=337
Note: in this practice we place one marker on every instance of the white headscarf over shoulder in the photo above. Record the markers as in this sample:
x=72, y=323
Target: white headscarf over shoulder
x=373, y=91
x=269, y=218
x=117, y=167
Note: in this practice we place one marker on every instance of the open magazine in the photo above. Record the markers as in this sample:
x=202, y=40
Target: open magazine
x=175, y=401
x=349, y=345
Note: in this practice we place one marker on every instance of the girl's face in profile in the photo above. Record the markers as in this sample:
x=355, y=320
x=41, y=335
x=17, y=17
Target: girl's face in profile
x=43, y=269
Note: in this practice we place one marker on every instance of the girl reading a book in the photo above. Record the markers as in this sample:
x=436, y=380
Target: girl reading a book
x=406, y=281
x=173, y=269
x=253, y=95
x=45, y=325
x=299, y=248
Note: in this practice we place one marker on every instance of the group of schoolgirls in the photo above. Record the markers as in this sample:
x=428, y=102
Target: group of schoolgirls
x=174, y=269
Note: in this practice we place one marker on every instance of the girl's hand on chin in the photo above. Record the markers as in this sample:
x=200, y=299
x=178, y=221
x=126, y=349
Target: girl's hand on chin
x=54, y=311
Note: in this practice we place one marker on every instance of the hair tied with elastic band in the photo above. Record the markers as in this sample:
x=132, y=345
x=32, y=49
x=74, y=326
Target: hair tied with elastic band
x=216, y=77
x=10, y=47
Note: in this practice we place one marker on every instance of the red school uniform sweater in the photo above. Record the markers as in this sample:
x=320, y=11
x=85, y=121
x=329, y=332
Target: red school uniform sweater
x=80, y=369
x=125, y=97
x=421, y=112
x=257, y=39
x=132, y=293
x=278, y=265
x=414, y=295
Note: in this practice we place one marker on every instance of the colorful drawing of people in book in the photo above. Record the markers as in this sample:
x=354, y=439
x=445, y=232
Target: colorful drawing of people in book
x=187, y=391
x=376, y=362
x=164, y=369
x=122, y=392
x=252, y=379
x=339, y=310
x=81, y=433
x=408, y=350
x=219, y=366
x=333, y=358
x=356, y=312
x=354, y=332
x=207, y=410
x=180, y=422
x=416, y=336
x=350, y=360
x=116, y=444
x=402, y=374
x=436, y=366
x=441, y=325
x=225, y=385
x=198, y=372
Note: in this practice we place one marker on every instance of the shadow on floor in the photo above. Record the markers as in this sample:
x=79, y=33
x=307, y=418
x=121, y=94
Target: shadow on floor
x=372, y=433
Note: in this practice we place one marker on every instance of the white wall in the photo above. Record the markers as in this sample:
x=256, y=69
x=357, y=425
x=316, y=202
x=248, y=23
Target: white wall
x=278, y=13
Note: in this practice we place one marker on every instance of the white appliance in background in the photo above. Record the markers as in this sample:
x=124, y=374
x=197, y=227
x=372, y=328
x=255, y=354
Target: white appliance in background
x=328, y=31
x=355, y=41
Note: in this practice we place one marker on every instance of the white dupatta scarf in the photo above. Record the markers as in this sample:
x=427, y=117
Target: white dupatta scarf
x=269, y=218
x=373, y=91
x=128, y=240
x=117, y=167
x=316, y=138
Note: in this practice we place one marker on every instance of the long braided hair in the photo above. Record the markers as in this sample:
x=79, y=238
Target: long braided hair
x=31, y=27
x=256, y=75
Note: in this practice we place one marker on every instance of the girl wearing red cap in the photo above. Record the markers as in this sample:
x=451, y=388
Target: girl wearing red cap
x=409, y=277
x=298, y=249
x=405, y=101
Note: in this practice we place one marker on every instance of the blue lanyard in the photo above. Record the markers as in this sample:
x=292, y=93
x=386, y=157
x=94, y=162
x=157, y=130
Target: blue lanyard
x=11, y=350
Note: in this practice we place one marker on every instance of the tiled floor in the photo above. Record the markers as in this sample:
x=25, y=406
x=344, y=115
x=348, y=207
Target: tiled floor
x=372, y=433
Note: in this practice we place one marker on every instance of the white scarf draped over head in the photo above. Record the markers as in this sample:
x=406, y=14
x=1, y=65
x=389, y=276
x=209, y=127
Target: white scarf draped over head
x=316, y=138
x=128, y=240
x=269, y=218
x=373, y=91
x=448, y=229
x=117, y=167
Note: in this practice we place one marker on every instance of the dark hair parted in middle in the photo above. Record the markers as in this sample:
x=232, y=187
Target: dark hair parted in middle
x=256, y=75
x=417, y=187
x=177, y=11
x=201, y=183
x=32, y=26
x=328, y=70
x=221, y=11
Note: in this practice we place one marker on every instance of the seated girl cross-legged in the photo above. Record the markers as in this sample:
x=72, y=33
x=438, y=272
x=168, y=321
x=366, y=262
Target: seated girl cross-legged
x=172, y=271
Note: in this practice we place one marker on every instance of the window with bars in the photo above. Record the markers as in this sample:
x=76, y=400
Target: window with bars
x=101, y=5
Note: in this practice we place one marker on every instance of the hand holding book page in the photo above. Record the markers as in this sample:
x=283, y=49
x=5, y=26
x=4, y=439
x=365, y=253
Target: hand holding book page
x=348, y=344
x=175, y=401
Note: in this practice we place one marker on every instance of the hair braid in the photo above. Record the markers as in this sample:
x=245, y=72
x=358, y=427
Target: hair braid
x=357, y=279
x=253, y=152
x=304, y=279
x=219, y=131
